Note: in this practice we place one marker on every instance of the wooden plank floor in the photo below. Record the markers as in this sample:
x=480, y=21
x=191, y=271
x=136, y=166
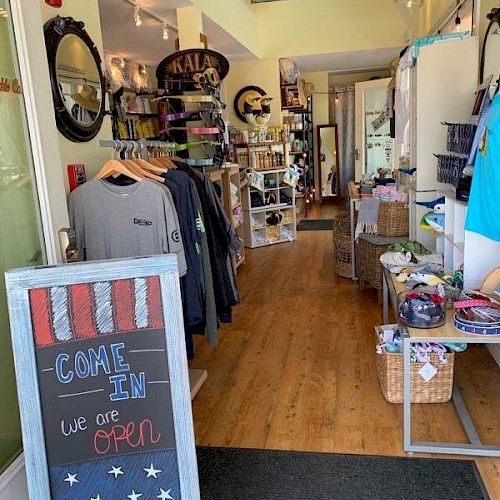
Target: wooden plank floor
x=296, y=369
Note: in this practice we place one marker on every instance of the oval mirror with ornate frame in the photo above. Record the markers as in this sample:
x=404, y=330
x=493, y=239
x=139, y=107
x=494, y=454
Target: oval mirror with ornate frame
x=76, y=77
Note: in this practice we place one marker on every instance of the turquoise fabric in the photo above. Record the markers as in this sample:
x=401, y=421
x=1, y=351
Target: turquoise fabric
x=483, y=215
x=429, y=40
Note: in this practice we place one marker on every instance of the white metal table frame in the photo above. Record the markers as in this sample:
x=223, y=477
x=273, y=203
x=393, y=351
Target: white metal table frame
x=475, y=446
x=352, y=203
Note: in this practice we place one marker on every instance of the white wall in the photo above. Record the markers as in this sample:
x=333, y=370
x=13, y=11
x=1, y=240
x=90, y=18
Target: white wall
x=88, y=153
x=264, y=74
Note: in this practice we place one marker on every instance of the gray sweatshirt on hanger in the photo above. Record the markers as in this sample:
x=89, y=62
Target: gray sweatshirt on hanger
x=125, y=221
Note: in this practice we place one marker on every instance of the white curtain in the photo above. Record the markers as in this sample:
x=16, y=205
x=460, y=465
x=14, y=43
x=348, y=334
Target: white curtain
x=342, y=112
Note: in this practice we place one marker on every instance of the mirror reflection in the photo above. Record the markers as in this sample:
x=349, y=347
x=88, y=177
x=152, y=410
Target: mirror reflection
x=78, y=80
x=328, y=160
x=491, y=53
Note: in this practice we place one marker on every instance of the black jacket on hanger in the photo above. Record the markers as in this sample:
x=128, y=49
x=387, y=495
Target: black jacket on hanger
x=219, y=242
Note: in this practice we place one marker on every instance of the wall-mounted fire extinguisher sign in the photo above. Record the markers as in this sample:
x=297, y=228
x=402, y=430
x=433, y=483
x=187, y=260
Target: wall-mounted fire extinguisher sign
x=54, y=3
x=76, y=176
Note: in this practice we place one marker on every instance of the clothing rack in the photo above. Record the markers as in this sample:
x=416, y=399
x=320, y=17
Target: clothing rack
x=140, y=146
x=144, y=143
x=197, y=377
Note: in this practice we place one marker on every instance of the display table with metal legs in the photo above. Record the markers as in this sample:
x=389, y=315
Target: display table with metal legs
x=445, y=333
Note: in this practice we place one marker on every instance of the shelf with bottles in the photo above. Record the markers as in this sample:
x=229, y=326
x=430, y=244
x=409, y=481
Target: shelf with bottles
x=262, y=156
x=135, y=116
x=135, y=129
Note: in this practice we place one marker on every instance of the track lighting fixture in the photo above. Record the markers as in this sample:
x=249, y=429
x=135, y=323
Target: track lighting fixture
x=458, y=21
x=139, y=9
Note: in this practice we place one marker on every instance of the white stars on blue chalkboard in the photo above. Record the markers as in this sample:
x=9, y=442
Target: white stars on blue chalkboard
x=131, y=477
x=152, y=472
x=116, y=471
x=71, y=479
x=134, y=495
x=165, y=495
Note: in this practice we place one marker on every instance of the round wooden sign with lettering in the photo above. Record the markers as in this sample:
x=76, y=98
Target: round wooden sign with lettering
x=192, y=69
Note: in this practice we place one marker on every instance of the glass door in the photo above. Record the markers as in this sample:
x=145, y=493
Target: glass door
x=21, y=242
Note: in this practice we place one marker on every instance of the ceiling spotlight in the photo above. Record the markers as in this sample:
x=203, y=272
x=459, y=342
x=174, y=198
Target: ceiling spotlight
x=409, y=4
x=166, y=34
x=336, y=98
x=137, y=15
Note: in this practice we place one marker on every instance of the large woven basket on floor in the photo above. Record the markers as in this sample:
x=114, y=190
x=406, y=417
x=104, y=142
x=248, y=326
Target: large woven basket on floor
x=342, y=254
x=390, y=376
x=393, y=219
x=369, y=248
x=342, y=245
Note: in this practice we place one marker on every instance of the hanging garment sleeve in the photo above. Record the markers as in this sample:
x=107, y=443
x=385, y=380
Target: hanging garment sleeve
x=76, y=220
x=174, y=237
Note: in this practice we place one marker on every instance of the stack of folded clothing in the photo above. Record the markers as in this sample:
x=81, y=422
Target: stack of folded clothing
x=412, y=255
x=390, y=192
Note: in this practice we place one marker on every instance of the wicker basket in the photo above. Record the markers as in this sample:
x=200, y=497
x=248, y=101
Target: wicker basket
x=368, y=266
x=341, y=224
x=342, y=245
x=393, y=219
x=342, y=254
x=390, y=376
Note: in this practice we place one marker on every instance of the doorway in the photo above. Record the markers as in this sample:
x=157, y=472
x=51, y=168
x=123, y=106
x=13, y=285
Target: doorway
x=21, y=241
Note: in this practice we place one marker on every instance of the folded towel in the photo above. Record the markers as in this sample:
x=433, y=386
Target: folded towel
x=368, y=216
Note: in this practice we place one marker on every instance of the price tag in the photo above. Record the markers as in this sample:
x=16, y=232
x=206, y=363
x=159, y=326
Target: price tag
x=428, y=371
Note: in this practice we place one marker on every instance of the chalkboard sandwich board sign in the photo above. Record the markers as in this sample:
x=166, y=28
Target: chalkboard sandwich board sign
x=102, y=380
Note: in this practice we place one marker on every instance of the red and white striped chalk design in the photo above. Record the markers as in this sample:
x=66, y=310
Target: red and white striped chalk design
x=75, y=312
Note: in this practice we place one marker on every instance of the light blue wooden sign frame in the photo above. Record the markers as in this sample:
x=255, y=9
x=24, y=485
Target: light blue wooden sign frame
x=20, y=281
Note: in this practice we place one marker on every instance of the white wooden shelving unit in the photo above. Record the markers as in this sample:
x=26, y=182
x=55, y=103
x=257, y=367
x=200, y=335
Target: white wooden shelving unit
x=224, y=177
x=451, y=244
x=440, y=95
x=443, y=84
x=234, y=207
x=258, y=232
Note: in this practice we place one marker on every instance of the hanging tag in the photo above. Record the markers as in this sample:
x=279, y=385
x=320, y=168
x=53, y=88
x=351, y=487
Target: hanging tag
x=428, y=371
x=387, y=335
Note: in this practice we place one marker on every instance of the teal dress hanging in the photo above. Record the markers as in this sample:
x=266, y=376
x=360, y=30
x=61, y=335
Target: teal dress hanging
x=483, y=214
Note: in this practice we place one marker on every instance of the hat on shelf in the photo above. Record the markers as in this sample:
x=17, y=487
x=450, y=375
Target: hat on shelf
x=87, y=98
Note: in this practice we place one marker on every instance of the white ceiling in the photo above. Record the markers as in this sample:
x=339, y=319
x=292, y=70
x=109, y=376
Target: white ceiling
x=343, y=62
x=144, y=43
